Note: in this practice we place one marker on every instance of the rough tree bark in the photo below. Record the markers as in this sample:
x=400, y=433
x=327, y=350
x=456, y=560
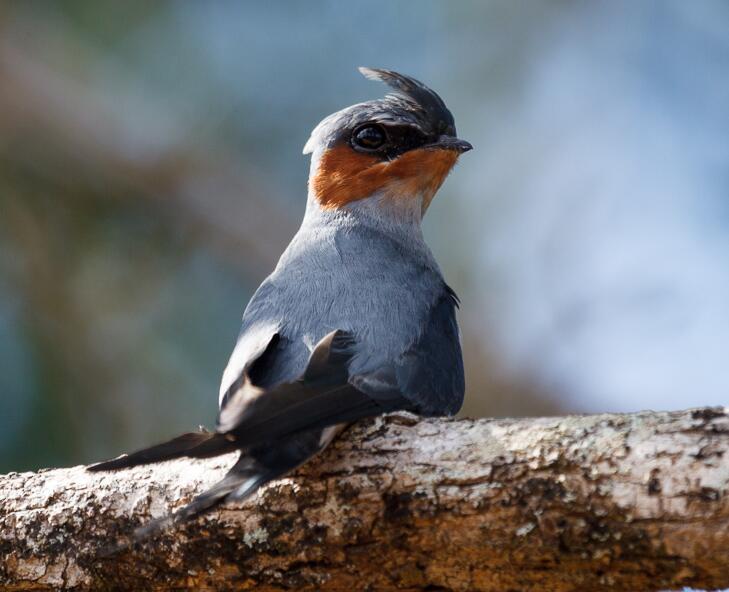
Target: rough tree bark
x=603, y=502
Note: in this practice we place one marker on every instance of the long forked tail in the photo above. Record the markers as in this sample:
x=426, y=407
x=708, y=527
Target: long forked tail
x=243, y=480
x=193, y=444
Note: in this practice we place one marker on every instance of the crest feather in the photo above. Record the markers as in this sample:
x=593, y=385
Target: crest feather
x=414, y=91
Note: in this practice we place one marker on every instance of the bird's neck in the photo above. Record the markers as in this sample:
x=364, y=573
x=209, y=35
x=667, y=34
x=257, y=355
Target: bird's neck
x=394, y=210
x=395, y=218
x=358, y=236
x=329, y=231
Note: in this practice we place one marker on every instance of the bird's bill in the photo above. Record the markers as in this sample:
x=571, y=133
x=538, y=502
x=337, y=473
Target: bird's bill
x=450, y=143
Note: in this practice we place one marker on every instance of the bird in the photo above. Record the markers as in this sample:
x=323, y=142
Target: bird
x=356, y=320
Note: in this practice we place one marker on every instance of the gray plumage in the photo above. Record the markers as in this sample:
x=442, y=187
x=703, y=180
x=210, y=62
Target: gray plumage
x=349, y=271
x=355, y=320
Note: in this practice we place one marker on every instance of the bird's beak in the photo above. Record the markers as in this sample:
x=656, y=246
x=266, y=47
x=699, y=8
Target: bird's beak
x=451, y=143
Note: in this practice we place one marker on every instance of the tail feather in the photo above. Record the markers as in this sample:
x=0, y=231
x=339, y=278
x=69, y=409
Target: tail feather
x=240, y=482
x=193, y=444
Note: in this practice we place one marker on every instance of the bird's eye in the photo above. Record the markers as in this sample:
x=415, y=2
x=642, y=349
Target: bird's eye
x=369, y=137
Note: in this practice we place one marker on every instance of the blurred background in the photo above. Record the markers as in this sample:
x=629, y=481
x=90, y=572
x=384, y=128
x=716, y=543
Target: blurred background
x=151, y=173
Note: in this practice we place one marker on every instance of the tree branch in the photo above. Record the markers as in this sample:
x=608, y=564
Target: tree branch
x=603, y=502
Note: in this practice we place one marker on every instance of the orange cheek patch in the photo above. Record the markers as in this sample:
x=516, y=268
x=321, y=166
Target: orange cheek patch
x=420, y=172
x=344, y=175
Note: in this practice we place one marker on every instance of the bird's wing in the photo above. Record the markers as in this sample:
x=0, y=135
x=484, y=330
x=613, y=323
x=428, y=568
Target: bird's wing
x=429, y=374
x=251, y=414
x=200, y=444
x=321, y=397
x=427, y=379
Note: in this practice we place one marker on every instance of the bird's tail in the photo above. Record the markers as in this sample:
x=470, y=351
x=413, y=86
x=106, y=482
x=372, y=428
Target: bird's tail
x=243, y=480
x=201, y=444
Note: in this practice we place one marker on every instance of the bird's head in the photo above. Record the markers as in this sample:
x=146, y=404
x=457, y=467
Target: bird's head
x=393, y=153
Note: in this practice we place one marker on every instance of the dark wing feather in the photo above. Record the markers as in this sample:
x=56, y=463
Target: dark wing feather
x=250, y=414
x=427, y=379
x=322, y=397
x=193, y=444
x=256, y=366
x=430, y=373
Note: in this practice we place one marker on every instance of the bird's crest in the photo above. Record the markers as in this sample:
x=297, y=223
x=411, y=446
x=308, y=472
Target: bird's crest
x=416, y=92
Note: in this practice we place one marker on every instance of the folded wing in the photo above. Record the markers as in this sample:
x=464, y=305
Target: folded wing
x=323, y=396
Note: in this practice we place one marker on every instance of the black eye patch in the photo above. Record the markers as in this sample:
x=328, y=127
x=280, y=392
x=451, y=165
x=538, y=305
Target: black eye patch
x=404, y=138
x=387, y=141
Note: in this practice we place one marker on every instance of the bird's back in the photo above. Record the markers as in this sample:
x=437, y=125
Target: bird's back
x=341, y=272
